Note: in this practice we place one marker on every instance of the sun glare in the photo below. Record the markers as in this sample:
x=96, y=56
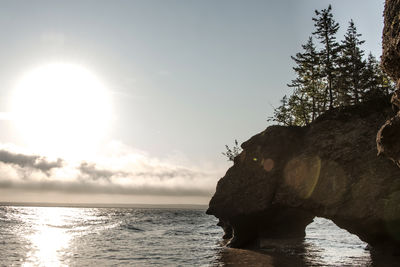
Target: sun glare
x=50, y=234
x=61, y=109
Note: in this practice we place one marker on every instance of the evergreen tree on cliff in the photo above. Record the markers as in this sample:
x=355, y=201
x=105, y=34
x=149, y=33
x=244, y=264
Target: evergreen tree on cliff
x=299, y=108
x=326, y=29
x=283, y=113
x=308, y=85
x=371, y=76
x=336, y=74
x=351, y=80
x=377, y=83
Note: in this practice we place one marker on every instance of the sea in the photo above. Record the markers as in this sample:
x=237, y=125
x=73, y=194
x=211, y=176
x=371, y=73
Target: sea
x=158, y=236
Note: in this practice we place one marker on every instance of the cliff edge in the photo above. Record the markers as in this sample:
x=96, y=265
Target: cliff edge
x=286, y=176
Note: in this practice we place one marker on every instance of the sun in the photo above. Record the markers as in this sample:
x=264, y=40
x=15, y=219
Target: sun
x=61, y=109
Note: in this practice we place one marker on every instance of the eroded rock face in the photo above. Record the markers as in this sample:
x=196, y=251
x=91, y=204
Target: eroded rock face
x=287, y=175
x=391, y=39
x=388, y=140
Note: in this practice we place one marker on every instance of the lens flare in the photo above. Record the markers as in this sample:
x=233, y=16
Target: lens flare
x=302, y=174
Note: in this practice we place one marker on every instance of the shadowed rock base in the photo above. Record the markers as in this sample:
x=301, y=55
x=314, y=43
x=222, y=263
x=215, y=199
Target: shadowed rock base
x=276, y=223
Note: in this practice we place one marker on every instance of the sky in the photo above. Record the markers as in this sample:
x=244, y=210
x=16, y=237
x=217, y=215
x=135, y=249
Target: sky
x=134, y=101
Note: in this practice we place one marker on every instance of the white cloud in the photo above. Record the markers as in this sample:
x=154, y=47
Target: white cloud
x=120, y=170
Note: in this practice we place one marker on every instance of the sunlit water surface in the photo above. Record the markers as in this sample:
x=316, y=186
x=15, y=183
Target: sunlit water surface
x=52, y=236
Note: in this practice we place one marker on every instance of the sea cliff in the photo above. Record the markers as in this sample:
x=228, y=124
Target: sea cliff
x=286, y=176
x=344, y=167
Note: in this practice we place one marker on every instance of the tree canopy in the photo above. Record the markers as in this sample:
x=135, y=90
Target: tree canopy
x=330, y=74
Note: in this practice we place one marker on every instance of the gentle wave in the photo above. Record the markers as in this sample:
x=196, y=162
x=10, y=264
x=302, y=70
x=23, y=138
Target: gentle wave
x=51, y=236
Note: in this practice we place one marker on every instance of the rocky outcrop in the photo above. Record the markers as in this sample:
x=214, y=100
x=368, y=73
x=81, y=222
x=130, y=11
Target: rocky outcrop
x=391, y=39
x=286, y=176
x=387, y=138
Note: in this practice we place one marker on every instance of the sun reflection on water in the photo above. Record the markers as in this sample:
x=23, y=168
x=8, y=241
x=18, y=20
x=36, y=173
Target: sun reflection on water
x=50, y=235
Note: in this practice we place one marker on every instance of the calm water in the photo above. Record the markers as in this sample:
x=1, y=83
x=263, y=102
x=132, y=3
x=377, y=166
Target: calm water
x=52, y=236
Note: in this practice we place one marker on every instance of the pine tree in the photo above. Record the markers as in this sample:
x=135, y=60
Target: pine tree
x=308, y=84
x=336, y=74
x=351, y=67
x=283, y=113
x=300, y=108
x=326, y=29
x=376, y=82
x=385, y=84
x=371, y=80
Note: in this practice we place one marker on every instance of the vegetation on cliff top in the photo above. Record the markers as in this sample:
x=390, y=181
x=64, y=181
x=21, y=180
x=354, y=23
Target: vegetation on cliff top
x=231, y=153
x=329, y=74
x=333, y=74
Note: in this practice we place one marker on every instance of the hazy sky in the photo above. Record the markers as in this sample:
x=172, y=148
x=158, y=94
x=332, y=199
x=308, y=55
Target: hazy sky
x=184, y=79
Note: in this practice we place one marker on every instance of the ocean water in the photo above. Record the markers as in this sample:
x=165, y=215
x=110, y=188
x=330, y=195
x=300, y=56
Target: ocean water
x=57, y=236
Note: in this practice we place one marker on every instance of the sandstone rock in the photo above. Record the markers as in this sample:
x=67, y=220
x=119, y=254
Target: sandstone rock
x=287, y=175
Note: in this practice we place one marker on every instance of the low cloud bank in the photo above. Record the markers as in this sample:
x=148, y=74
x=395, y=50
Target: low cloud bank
x=29, y=161
x=127, y=174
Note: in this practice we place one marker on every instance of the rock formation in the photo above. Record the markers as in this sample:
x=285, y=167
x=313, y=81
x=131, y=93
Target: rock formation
x=286, y=176
x=391, y=39
x=387, y=138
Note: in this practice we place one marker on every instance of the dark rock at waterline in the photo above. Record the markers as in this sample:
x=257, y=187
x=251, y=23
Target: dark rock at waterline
x=286, y=176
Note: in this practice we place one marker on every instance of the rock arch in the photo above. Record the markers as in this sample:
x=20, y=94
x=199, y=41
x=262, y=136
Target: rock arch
x=329, y=169
x=287, y=175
